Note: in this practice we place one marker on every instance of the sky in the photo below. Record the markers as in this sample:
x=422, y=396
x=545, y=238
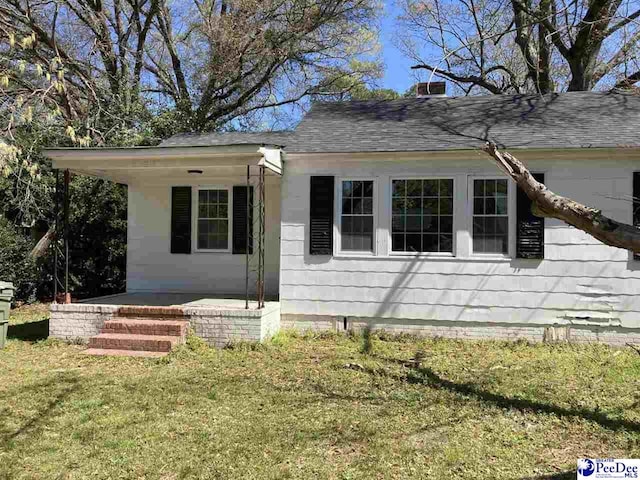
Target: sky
x=398, y=74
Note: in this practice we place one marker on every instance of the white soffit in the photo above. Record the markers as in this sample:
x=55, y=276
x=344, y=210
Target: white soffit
x=146, y=158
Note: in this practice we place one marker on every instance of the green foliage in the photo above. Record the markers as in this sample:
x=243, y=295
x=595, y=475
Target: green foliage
x=15, y=264
x=97, y=236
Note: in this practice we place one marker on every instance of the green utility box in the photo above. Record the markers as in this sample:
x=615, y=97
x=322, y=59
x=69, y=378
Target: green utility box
x=6, y=295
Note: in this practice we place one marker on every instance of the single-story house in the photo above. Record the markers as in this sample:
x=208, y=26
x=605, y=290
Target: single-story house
x=375, y=213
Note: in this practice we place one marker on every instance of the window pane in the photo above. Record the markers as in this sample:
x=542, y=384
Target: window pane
x=423, y=209
x=430, y=188
x=446, y=206
x=446, y=243
x=367, y=206
x=203, y=227
x=414, y=206
x=347, y=189
x=414, y=188
x=397, y=223
x=478, y=226
x=347, y=243
x=357, y=189
x=491, y=235
x=367, y=224
x=503, y=244
x=397, y=243
x=398, y=187
x=501, y=188
x=446, y=224
x=502, y=225
x=490, y=225
x=478, y=188
x=446, y=188
x=367, y=234
x=489, y=188
x=414, y=243
x=356, y=220
x=430, y=224
x=414, y=223
x=430, y=206
x=398, y=205
x=346, y=206
x=368, y=189
x=357, y=206
x=501, y=205
x=430, y=243
x=347, y=224
x=489, y=206
x=478, y=206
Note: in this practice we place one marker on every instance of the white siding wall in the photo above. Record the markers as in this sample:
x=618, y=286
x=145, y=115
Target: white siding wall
x=579, y=282
x=151, y=266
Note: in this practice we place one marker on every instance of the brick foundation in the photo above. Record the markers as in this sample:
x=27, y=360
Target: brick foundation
x=468, y=330
x=220, y=327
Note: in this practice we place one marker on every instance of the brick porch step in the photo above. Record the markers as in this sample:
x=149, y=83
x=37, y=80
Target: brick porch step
x=112, y=352
x=130, y=341
x=152, y=313
x=146, y=326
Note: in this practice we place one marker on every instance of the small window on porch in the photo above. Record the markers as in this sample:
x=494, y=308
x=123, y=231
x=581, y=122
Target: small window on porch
x=213, y=219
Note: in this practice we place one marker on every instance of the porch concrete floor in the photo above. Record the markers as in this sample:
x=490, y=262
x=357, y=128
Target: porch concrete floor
x=160, y=299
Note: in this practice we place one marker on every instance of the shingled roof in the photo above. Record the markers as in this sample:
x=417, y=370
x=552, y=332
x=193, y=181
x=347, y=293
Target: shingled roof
x=565, y=120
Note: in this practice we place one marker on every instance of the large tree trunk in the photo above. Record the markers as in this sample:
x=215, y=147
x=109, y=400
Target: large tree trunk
x=548, y=204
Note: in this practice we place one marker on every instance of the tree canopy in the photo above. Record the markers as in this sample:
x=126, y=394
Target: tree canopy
x=517, y=46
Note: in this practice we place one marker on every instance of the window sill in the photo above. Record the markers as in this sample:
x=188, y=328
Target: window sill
x=434, y=258
x=212, y=251
x=422, y=255
x=355, y=255
x=489, y=256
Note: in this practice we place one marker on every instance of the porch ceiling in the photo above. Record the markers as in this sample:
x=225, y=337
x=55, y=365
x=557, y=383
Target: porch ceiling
x=125, y=165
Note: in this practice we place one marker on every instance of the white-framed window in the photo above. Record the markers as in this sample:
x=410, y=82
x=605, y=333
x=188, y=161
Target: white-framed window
x=213, y=219
x=422, y=215
x=490, y=209
x=356, y=216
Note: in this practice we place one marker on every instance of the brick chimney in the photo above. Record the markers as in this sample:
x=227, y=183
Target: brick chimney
x=431, y=89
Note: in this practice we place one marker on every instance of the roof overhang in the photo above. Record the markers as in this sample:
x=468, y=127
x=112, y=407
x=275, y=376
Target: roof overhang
x=123, y=164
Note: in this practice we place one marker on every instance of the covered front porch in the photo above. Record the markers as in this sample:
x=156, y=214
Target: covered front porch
x=200, y=219
x=219, y=321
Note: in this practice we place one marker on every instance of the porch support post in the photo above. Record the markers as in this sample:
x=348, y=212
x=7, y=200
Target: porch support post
x=261, y=220
x=56, y=237
x=246, y=249
x=67, y=294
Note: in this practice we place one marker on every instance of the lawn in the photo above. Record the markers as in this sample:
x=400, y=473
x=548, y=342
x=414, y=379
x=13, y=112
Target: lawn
x=313, y=406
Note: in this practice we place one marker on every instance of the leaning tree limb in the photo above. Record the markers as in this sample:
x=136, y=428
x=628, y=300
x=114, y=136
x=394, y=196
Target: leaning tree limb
x=548, y=204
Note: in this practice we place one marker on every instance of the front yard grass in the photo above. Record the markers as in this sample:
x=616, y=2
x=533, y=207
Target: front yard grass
x=314, y=407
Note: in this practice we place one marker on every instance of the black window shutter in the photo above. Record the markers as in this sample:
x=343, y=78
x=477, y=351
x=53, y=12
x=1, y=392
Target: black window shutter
x=636, y=205
x=321, y=215
x=239, y=232
x=181, y=220
x=530, y=230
